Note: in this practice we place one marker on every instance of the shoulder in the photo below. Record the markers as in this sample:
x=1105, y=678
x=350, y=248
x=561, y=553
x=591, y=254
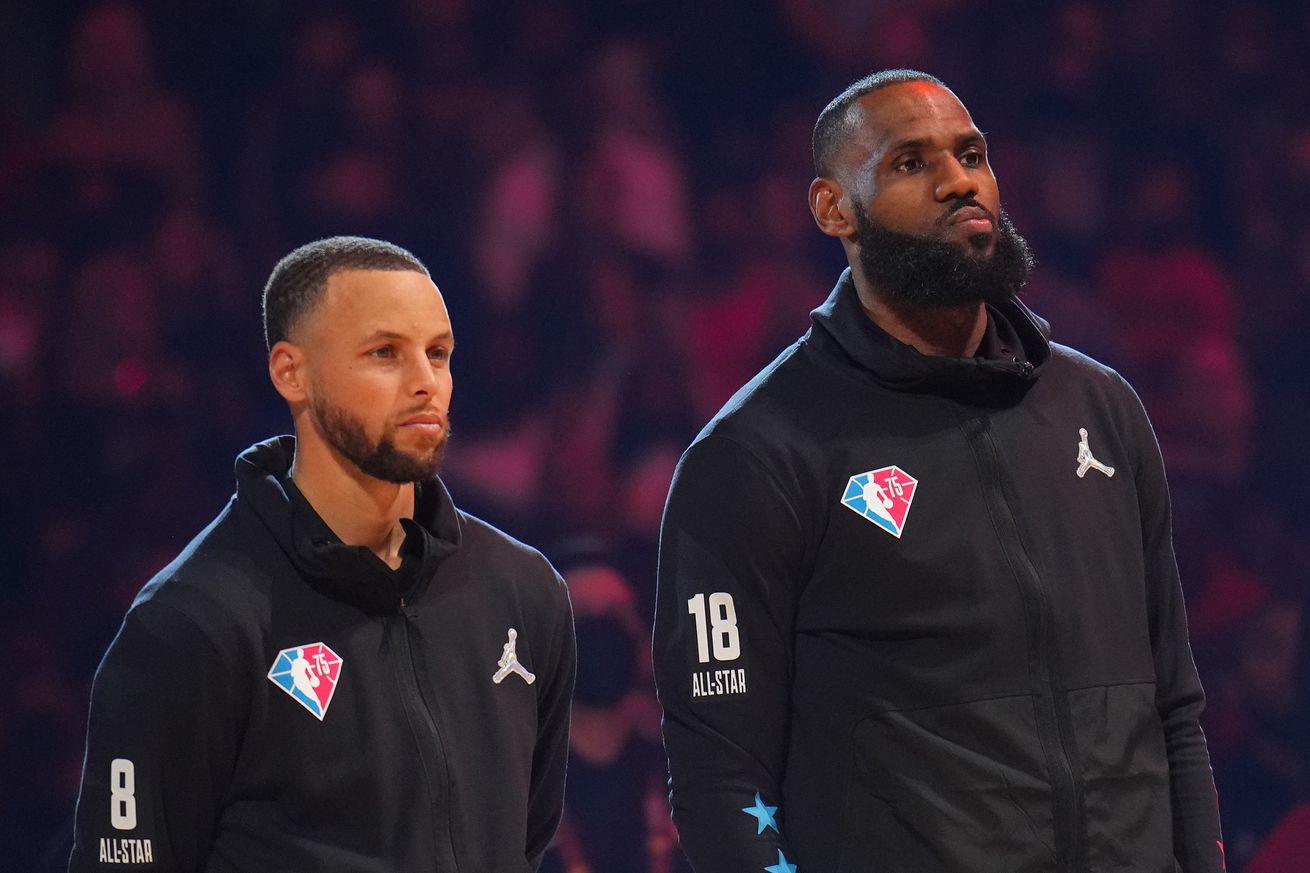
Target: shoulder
x=1102, y=389
x=219, y=585
x=767, y=409
x=1068, y=364
x=496, y=556
x=1068, y=359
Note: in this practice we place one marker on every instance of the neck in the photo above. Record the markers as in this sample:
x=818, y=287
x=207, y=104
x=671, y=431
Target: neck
x=360, y=510
x=945, y=331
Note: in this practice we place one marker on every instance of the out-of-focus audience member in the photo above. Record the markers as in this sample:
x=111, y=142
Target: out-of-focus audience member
x=615, y=816
x=1264, y=770
x=1287, y=847
x=118, y=116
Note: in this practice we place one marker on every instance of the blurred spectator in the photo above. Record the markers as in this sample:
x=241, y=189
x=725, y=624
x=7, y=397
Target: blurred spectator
x=1288, y=846
x=115, y=309
x=643, y=490
x=624, y=393
x=616, y=815
x=1267, y=771
x=519, y=208
x=290, y=125
x=1174, y=308
x=1164, y=289
x=754, y=292
x=856, y=37
x=632, y=189
x=118, y=117
x=29, y=272
x=44, y=717
x=360, y=179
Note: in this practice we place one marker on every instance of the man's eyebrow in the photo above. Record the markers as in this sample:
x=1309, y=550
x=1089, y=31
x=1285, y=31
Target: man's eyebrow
x=973, y=136
x=903, y=144
x=444, y=336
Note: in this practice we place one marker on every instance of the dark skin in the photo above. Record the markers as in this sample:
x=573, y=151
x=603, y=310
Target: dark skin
x=913, y=154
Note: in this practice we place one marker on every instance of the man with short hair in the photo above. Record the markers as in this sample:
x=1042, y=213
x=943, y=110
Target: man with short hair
x=311, y=684
x=904, y=623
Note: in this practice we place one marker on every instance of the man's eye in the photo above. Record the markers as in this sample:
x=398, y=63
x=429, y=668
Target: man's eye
x=972, y=159
x=439, y=354
x=383, y=352
x=909, y=165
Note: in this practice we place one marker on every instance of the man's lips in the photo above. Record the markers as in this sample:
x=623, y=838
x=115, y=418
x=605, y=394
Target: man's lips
x=974, y=219
x=424, y=420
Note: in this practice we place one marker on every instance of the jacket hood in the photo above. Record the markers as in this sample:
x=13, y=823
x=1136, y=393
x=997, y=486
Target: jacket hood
x=350, y=573
x=1013, y=352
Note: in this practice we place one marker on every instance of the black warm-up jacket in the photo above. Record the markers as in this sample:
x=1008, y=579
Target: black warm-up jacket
x=199, y=758
x=898, y=632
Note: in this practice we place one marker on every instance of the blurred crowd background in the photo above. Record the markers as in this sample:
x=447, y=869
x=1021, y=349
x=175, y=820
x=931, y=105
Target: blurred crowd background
x=611, y=195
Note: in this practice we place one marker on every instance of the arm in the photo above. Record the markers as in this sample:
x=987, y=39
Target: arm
x=730, y=556
x=161, y=746
x=546, y=793
x=1179, y=698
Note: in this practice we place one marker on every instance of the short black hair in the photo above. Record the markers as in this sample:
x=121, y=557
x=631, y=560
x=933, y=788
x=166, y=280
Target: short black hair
x=834, y=121
x=298, y=281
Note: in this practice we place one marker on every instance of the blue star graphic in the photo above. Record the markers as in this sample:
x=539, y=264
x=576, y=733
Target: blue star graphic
x=764, y=814
x=782, y=866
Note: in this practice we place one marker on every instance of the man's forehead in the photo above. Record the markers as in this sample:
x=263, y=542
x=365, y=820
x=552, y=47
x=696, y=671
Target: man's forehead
x=367, y=300
x=906, y=110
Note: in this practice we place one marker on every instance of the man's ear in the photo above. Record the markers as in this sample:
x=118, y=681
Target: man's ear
x=830, y=208
x=286, y=367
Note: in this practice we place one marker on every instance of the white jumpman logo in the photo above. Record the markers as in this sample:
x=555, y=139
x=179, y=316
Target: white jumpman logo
x=1085, y=460
x=509, y=662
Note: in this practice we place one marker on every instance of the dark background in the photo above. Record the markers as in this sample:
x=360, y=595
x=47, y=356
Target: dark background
x=611, y=196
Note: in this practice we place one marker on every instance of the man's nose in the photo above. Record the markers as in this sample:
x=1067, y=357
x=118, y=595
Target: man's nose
x=954, y=182
x=423, y=375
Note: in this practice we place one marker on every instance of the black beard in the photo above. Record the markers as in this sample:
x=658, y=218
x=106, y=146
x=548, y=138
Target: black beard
x=916, y=273
x=381, y=460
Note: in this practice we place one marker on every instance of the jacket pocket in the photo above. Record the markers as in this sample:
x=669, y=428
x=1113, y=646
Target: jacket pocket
x=950, y=788
x=1125, y=778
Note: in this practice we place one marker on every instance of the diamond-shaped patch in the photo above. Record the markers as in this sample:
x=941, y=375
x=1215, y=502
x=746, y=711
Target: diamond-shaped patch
x=882, y=496
x=309, y=674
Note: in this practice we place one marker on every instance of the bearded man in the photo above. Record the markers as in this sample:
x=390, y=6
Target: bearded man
x=918, y=606
x=311, y=684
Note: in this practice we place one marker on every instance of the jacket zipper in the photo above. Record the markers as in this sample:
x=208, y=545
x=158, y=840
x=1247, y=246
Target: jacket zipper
x=427, y=736
x=1054, y=723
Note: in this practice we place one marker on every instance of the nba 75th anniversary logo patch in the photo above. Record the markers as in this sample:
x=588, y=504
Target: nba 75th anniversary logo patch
x=882, y=496
x=308, y=674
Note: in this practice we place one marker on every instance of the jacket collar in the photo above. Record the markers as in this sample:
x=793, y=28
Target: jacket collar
x=842, y=326
x=350, y=573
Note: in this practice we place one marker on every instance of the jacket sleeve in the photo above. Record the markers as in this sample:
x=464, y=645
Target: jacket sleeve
x=161, y=747
x=546, y=792
x=1198, y=843
x=731, y=549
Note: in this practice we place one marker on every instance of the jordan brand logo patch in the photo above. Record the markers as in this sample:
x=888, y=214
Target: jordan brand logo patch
x=509, y=662
x=882, y=496
x=1085, y=460
x=308, y=674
